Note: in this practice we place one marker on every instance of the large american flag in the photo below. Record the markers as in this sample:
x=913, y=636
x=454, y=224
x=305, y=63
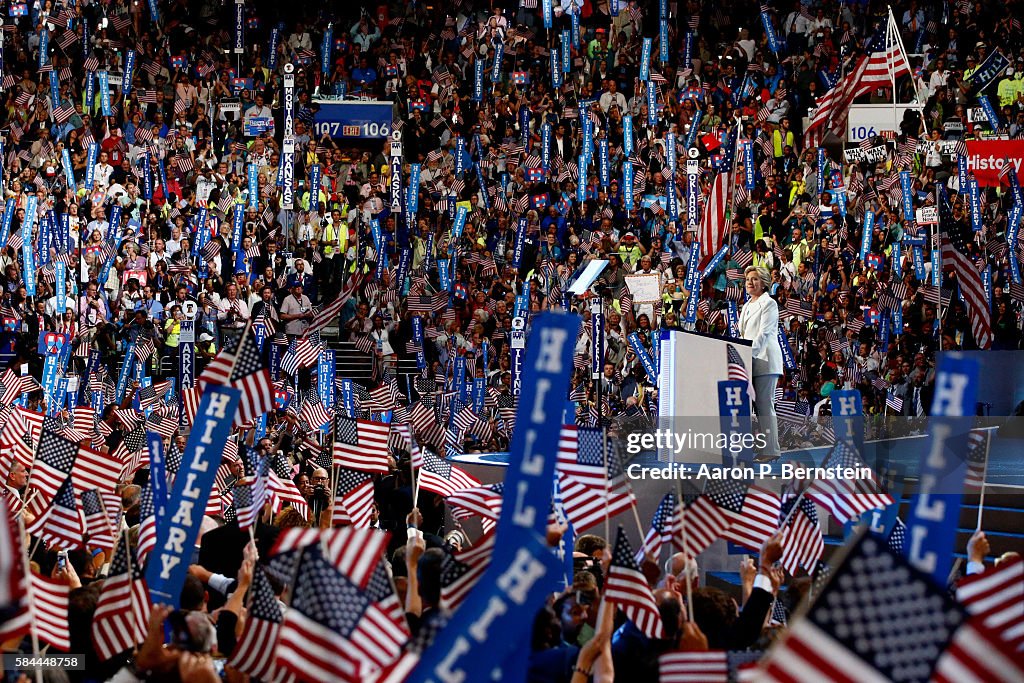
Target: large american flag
x=326, y=316
x=758, y=520
x=442, y=477
x=244, y=369
x=591, y=493
x=353, y=497
x=48, y=611
x=699, y=524
x=55, y=458
x=712, y=223
x=254, y=654
x=147, y=523
x=627, y=587
x=60, y=525
x=996, y=597
x=460, y=571
x=353, y=618
x=846, y=498
x=122, y=611
x=973, y=292
x=910, y=619
x=361, y=444
x=802, y=540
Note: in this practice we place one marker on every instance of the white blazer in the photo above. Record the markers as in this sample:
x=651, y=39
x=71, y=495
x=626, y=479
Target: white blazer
x=759, y=322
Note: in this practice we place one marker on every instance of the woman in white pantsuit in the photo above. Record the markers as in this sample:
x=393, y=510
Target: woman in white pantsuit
x=759, y=322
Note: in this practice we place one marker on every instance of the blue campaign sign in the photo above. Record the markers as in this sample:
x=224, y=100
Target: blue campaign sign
x=353, y=119
x=848, y=418
x=499, y=611
x=734, y=419
x=935, y=510
x=176, y=537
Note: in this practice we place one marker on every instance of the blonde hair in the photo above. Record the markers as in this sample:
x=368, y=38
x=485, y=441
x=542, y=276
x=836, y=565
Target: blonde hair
x=766, y=278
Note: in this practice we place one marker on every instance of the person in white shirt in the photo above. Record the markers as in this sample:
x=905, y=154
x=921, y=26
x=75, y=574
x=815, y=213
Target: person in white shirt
x=300, y=40
x=759, y=322
x=102, y=171
x=612, y=96
x=259, y=111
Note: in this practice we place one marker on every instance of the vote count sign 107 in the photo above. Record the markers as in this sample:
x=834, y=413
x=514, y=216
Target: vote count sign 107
x=353, y=119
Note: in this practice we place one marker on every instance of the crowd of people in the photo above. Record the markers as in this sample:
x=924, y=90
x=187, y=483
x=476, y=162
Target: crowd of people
x=127, y=155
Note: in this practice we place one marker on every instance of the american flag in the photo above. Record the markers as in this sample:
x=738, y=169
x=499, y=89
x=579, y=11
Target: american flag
x=692, y=667
x=254, y=654
x=154, y=393
x=60, y=524
x=712, y=225
x=250, y=497
x=97, y=522
x=361, y=444
x=122, y=610
x=660, y=532
x=802, y=540
x=354, y=618
x=590, y=495
x=893, y=402
x=892, y=598
x=626, y=587
x=147, y=524
x=55, y=458
x=244, y=369
x=996, y=597
x=460, y=571
x=49, y=611
x=11, y=578
x=977, y=459
x=94, y=470
x=758, y=521
x=479, y=501
x=313, y=411
x=973, y=292
x=846, y=498
x=326, y=316
x=353, y=498
x=701, y=522
x=737, y=370
x=441, y=477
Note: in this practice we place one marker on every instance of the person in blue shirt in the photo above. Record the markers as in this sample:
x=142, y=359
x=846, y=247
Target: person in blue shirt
x=364, y=75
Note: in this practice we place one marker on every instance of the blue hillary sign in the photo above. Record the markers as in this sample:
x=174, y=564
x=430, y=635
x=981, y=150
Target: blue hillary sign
x=176, y=537
x=935, y=509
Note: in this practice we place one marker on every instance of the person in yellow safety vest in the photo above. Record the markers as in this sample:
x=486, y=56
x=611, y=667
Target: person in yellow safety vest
x=335, y=234
x=781, y=137
x=1010, y=88
x=304, y=203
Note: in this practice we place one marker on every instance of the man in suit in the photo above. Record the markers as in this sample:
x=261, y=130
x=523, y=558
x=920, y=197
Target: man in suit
x=561, y=144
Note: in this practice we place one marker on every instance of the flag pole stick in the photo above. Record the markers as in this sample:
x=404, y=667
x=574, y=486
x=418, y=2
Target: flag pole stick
x=984, y=474
x=26, y=567
x=686, y=562
x=607, y=485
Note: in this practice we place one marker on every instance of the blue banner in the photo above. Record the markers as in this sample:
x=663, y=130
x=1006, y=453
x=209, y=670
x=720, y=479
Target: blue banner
x=848, y=418
x=325, y=378
x=157, y=475
x=936, y=268
x=652, y=104
x=627, y=135
x=692, y=283
x=176, y=538
x=627, y=185
x=478, y=80
x=129, y=73
x=691, y=134
x=326, y=45
x=566, y=52
x=547, y=12
x=988, y=70
x=748, y=164
x=10, y=207
x=645, y=59
x=734, y=423
x=907, y=189
x=692, y=196
x=498, y=613
x=254, y=194
x=604, y=163
x=788, y=358
x=545, y=147
x=30, y=273
x=935, y=509
x=918, y=257
x=821, y=171
x=990, y=113
x=596, y=342
x=769, y=32
x=127, y=370
x=556, y=69
x=499, y=54
x=865, y=238
x=348, y=397
x=663, y=40
x=105, y=105
x=417, y=336
x=315, y=175
x=897, y=258
x=1012, y=234
x=644, y=357
x=974, y=197
x=187, y=359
